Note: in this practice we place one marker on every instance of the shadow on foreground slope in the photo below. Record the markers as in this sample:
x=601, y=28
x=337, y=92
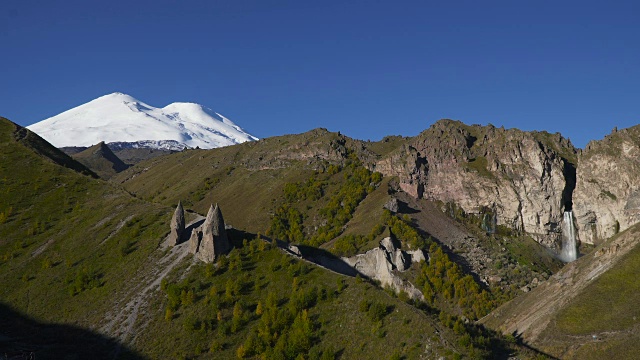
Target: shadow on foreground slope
x=35, y=143
x=24, y=338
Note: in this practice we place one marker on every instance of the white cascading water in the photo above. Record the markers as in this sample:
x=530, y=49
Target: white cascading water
x=569, y=250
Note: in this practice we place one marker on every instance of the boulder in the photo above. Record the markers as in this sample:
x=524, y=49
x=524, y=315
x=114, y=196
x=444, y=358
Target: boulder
x=295, y=250
x=399, y=259
x=392, y=205
x=416, y=256
x=389, y=244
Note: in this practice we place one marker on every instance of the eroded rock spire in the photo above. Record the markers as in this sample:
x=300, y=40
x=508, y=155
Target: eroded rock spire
x=214, y=236
x=177, y=226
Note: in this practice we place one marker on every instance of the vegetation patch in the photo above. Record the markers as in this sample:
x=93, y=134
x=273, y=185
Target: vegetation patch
x=480, y=165
x=400, y=227
x=349, y=184
x=608, y=194
x=262, y=303
x=445, y=286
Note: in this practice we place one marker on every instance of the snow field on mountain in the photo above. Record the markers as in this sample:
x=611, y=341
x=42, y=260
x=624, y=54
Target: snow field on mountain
x=119, y=117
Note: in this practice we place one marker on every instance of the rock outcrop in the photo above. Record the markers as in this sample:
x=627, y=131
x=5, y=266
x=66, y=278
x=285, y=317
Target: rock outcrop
x=409, y=166
x=525, y=179
x=607, y=194
x=379, y=264
x=210, y=240
x=177, y=226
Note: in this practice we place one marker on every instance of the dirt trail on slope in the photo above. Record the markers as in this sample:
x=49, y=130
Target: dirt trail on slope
x=121, y=322
x=118, y=228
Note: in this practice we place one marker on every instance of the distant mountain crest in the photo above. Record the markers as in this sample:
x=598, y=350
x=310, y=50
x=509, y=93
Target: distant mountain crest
x=120, y=118
x=100, y=159
x=169, y=145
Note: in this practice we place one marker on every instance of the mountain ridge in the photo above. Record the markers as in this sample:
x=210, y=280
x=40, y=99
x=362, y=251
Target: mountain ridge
x=93, y=257
x=101, y=160
x=41, y=147
x=319, y=190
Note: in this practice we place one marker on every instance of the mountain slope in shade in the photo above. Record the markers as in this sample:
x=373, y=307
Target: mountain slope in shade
x=119, y=117
x=36, y=144
x=101, y=160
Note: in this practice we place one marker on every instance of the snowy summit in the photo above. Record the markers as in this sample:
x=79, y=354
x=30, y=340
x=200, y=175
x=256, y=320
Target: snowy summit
x=121, y=118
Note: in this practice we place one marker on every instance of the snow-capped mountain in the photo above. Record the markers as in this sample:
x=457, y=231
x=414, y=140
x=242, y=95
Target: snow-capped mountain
x=121, y=118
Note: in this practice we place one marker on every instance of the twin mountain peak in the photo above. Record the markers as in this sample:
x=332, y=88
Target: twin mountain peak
x=120, y=118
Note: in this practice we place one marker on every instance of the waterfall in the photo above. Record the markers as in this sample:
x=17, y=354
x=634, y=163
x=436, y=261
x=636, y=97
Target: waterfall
x=569, y=250
x=488, y=223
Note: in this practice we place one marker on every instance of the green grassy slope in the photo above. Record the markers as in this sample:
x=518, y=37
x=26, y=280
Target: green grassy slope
x=604, y=305
x=261, y=303
x=607, y=309
x=246, y=179
x=230, y=309
x=16, y=134
x=243, y=179
x=67, y=241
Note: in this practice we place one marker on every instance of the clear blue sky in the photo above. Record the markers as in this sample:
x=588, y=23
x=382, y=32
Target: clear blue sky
x=365, y=68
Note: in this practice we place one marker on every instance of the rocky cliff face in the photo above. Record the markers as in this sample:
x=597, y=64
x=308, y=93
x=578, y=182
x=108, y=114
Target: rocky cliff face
x=607, y=195
x=525, y=179
x=409, y=166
